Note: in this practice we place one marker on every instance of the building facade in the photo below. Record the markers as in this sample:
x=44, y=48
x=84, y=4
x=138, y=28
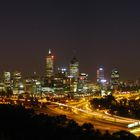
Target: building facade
x=100, y=75
x=115, y=78
x=49, y=65
x=74, y=68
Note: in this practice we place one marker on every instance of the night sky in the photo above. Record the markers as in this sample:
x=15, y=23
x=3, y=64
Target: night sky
x=100, y=33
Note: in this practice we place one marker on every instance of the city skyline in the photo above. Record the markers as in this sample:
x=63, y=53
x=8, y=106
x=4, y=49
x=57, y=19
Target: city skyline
x=99, y=33
x=51, y=63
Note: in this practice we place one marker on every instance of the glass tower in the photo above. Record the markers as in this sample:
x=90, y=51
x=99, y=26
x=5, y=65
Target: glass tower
x=49, y=64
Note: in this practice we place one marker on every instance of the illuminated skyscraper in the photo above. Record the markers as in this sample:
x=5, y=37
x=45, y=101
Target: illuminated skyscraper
x=100, y=75
x=49, y=65
x=16, y=80
x=17, y=76
x=83, y=80
x=115, y=78
x=7, y=78
x=74, y=68
x=63, y=72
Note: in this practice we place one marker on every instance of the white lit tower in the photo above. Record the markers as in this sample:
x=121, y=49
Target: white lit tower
x=100, y=75
x=74, y=68
x=74, y=74
x=49, y=65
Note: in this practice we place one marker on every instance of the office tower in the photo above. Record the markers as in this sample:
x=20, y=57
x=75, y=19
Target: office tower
x=100, y=75
x=7, y=78
x=49, y=64
x=74, y=68
x=83, y=77
x=63, y=72
x=83, y=80
x=115, y=78
x=17, y=76
x=17, y=82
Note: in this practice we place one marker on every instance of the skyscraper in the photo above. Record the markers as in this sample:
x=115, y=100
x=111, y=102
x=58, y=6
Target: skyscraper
x=100, y=75
x=7, y=78
x=49, y=64
x=115, y=78
x=74, y=68
x=17, y=82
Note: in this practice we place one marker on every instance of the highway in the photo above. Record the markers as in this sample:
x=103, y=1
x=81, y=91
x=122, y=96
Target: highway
x=81, y=118
x=81, y=113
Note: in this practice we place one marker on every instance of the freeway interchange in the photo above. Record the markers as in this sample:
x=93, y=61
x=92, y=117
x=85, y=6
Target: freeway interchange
x=79, y=110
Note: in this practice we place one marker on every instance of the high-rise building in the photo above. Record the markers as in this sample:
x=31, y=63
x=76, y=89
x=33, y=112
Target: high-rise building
x=100, y=75
x=74, y=68
x=17, y=76
x=49, y=64
x=17, y=82
x=83, y=80
x=7, y=78
x=115, y=78
x=63, y=72
x=74, y=74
